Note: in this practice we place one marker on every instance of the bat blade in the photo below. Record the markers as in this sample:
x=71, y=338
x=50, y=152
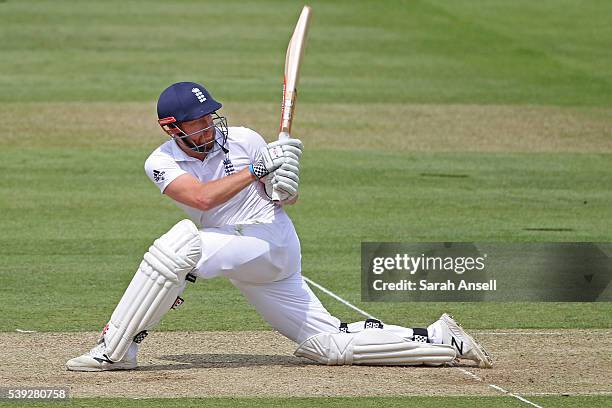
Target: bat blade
x=293, y=60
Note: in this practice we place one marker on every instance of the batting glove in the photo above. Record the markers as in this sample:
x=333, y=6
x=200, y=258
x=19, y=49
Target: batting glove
x=275, y=154
x=286, y=179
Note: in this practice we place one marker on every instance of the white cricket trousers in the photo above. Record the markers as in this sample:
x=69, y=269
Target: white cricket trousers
x=264, y=262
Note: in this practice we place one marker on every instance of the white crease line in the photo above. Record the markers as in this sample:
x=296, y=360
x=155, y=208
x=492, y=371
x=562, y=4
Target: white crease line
x=496, y=387
x=25, y=331
x=466, y=372
x=338, y=298
x=514, y=395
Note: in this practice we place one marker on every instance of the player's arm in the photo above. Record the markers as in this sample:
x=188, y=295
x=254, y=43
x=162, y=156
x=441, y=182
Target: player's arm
x=188, y=190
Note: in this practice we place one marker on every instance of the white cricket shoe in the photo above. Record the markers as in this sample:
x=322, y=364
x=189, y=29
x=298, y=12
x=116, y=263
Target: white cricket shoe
x=96, y=360
x=464, y=344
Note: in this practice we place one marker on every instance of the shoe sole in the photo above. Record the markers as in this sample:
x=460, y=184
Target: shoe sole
x=481, y=353
x=113, y=367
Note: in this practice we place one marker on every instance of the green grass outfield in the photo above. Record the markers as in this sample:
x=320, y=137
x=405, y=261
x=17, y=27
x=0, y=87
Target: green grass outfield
x=555, y=52
x=515, y=96
x=76, y=236
x=433, y=402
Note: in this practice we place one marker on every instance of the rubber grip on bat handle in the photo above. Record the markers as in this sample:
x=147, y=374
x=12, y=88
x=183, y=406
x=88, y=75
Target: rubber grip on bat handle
x=284, y=136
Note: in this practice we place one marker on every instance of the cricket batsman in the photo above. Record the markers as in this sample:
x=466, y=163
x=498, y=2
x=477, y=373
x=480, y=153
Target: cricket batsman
x=223, y=178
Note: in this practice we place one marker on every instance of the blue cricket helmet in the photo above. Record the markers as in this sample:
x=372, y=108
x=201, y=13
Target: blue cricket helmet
x=185, y=101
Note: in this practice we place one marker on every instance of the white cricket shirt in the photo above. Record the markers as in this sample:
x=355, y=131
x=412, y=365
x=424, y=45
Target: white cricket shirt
x=249, y=206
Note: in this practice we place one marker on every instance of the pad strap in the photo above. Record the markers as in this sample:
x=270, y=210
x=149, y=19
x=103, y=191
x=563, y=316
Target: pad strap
x=373, y=324
x=420, y=335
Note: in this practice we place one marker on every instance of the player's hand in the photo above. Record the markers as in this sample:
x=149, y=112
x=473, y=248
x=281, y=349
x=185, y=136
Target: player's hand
x=281, y=151
x=290, y=200
x=286, y=179
x=285, y=182
x=275, y=154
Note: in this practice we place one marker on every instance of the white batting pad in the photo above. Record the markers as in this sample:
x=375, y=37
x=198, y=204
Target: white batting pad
x=153, y=290
x=372, y=347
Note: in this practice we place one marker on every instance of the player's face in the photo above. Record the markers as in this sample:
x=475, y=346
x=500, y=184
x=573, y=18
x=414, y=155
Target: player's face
x=200, y=131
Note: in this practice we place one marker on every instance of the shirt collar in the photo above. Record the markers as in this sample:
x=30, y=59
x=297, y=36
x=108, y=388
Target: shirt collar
x=179, y=154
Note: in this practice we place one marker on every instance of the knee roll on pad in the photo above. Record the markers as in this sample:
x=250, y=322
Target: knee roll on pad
x=159, y=280
x=372, y=347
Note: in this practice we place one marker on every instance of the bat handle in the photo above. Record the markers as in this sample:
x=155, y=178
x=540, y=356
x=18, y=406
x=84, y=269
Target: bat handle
x=284, y=136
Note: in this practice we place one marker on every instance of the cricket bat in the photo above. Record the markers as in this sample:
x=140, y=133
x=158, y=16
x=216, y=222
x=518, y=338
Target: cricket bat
x=293, y=59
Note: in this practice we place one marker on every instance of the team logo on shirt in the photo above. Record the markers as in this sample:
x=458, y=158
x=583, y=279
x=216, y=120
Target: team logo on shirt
x=228, y=166
x=198, y=94
x=158, y=175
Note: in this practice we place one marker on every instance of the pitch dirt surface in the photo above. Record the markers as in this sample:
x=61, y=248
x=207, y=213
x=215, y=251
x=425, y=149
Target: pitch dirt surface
x=198, y=364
